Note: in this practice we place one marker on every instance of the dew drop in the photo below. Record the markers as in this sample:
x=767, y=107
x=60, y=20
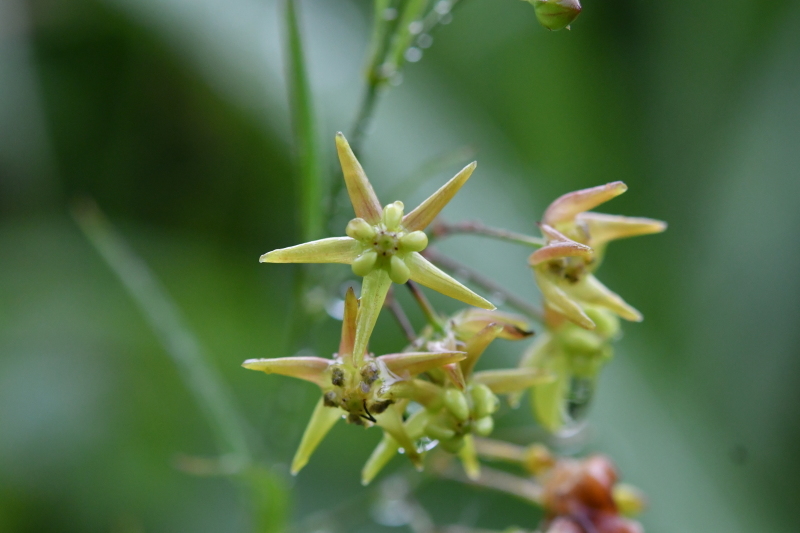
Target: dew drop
x=415, y=27
x=396, y=80
x=446, y=19
x=498, y=298
x=443, y=7
x=335, y=308
x=425, y=40
x=389, y=13
x=413, y=54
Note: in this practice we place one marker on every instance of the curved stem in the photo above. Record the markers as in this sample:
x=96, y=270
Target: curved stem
x=442, y=229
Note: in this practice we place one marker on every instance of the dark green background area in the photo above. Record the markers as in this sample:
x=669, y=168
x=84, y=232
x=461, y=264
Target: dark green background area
x=173, y=117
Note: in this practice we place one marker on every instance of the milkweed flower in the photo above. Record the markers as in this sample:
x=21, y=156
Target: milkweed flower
x=382, y=245
x=573, y=356
x=457, y=402
x=362, y=391
x=576, y=242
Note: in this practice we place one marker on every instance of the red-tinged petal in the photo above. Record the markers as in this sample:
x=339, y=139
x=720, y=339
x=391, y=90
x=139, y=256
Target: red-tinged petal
x=362, y=196
x=592, y=291
x=332, y=250
x=391, y=422
x=308, y=368
x=419, y=218
x=604, y=228
x=322, y=420
x=425, y=273
x=566, y=207
x=477, y=345
x=410, y=364
x=373, y=293
x=471, y=321
x=511, y=380
x=558, y=300
x=348, y=324
x=559, y=250
x=453, y=371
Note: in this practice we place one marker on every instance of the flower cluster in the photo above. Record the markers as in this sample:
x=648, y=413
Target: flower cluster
x=429, y=394
x=580, y=312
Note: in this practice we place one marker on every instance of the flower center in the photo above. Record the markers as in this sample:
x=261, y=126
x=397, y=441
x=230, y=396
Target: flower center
x=386, y=243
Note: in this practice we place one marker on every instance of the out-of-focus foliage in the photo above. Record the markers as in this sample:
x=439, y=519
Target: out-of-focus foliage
x=172, y=116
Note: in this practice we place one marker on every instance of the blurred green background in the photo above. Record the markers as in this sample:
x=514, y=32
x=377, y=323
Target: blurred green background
x=173, y=116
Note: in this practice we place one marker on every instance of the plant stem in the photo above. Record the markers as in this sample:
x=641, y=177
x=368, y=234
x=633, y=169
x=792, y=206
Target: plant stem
x=525, y=489
x=486, y=283
x=442, y=229
x=430, y=313
x=400, y=315
x=304, y=128
x=165, y=319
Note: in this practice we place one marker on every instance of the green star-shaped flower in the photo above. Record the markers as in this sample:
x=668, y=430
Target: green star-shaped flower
x=576, y=242
x=362, y=391
x=382, y=245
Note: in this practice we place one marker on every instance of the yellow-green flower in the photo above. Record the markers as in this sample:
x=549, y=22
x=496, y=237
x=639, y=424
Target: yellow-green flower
x=457, y=402
x=576, y=243
x=362, y=391
x=382, y=245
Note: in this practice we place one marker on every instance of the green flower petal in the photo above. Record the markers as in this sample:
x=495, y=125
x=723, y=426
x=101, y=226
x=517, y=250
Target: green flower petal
x=362, y=196
x=322, y=420
x=425, y=273
x=373, y=294
x=512, y=380
x=331, y=250
x=424, y=213
x=308, y=368
x=477, y=345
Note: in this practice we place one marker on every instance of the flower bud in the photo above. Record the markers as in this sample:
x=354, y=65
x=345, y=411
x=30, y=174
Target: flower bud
x=438, y=432
x=484, y=401
x=392, y=215
x=537, y=459
x=359, y=229
x=575, y=339
x=484, y=426
x=364, y=263
x=630, y=500
x=456, y=403
x=416, y=241
x=606, y=322
x=556, y=14
x=398, y=271
x=453, y=445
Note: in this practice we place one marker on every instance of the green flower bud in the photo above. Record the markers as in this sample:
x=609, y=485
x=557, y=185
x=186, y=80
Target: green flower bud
x=630, y=500
x=398, y=271
x=556, y=14
x=438, y=432
x=484, y=426
x=456, y=403
x=364, y=263
x=575, y=339
x=484, y=401
x=393, y=215
x=416, y=241
x=359, y=229
x=453, y=445
x=606, y=322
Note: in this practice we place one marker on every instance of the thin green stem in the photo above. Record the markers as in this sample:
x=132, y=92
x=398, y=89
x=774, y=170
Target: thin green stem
x=442, y=229
x=304, y=128
x=427, y=309
x=400, y=316
x=486, y=283
x=166, y=321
